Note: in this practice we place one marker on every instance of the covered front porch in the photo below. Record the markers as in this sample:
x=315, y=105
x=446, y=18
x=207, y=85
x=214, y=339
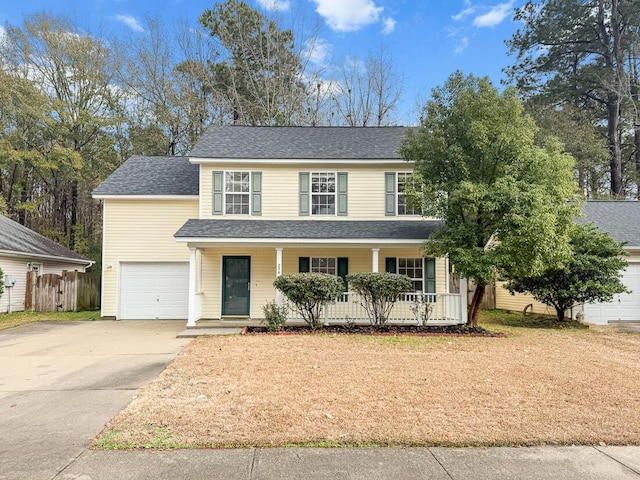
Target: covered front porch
x=231, y=278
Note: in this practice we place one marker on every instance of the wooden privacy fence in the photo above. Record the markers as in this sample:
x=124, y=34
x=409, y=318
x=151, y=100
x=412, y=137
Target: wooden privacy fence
x=69, y=292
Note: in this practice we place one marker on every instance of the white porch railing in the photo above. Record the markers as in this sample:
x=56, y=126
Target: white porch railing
x=412, y=308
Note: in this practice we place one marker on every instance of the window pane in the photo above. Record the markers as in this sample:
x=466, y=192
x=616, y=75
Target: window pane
x=324, y=265
x=237, y=186
x=412, y=268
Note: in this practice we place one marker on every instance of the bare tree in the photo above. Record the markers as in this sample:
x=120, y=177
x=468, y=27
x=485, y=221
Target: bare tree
x=367, y=93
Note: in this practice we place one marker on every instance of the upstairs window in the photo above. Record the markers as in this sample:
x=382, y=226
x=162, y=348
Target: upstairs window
x=237, y=189
x=403, y=208
x=236, y=193
x=323, y=193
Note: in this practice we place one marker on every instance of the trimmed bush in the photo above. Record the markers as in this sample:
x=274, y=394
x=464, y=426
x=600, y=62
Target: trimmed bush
x=275, y=316
x=379, y=292
x=1, y=282
x=308, y=292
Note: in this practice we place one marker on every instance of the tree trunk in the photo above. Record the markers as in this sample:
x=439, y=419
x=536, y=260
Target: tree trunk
x=613, y=139
x=559, y=314
x=474, y=308
x=74, y=214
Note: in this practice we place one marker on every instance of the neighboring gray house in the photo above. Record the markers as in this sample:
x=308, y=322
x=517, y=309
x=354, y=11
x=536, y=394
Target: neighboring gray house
x=23, y=250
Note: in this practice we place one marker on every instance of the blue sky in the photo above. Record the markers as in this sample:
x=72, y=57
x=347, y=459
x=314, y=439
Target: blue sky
x=428, y=39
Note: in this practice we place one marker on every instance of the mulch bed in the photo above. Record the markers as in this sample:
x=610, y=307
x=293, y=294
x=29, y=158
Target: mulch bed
x=417, y=330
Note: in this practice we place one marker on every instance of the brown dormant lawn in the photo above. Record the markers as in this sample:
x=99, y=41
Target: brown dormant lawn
x=534, y=386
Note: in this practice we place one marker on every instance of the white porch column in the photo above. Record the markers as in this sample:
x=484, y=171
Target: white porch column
x=195, y=299
x=447, y=275
x=374, y=260
x=278, y=273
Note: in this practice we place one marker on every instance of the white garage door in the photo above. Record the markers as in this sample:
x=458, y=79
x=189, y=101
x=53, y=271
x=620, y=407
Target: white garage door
x=154, y=291
x=625, y=306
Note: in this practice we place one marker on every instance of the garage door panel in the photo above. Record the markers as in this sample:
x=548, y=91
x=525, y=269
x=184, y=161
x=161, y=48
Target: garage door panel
x=154, y=290
x=624, y=306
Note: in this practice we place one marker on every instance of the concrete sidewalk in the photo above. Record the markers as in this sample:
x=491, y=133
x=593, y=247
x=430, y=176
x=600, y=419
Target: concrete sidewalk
x=550, y=463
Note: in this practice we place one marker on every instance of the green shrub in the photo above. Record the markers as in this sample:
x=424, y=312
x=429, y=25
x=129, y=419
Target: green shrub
x=275, y=315
x=1, y=282
x=308, y=292
x=379, y=292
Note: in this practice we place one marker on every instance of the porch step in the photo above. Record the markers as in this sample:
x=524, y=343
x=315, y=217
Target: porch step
x=239, y=323
x=204, y=331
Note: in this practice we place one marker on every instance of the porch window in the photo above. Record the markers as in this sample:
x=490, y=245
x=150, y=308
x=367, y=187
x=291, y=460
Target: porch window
x=412, y=268
x=237, y=188
x=323, y=193
x=421, y=271
x=324, y=265
x=403, y=208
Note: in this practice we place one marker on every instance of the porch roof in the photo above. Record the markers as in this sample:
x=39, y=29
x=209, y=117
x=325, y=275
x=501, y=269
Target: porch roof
x=311, y=231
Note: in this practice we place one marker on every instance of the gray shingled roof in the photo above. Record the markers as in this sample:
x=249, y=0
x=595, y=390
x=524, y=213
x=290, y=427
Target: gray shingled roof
x=18, y=238
x=300, y=142
x=152, y=176
x=620, y=218
x=309, y=229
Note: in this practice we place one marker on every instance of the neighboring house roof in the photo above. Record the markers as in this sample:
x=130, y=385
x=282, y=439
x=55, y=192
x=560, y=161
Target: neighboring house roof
x=307, y=230
x=152, y=176
x=366, y=143
x=18, y=239
x=621, y=219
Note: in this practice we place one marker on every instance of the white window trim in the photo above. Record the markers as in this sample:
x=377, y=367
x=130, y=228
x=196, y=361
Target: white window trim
x=335, y=194
x=335, y=264
x=398, y=193
x=413, y=279
x=224, y=193
x=39, y=265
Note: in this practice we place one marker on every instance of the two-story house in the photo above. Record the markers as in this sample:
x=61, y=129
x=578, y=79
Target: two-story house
x=204, y=236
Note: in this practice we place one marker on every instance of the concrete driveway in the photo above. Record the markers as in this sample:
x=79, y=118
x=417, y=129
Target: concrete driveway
x=61, y=382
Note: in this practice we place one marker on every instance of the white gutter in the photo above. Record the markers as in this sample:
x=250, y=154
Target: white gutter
x=13, y=253
x=146, y=197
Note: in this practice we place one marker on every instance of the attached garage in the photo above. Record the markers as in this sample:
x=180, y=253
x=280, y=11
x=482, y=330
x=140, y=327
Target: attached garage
x=154, y=290
x=624, y=306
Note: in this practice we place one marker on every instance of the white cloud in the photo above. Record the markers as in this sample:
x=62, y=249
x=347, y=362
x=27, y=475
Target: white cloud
x=3, y=32
x=130, y=22
x=464, y=13
x=463, y=43
x=494, y=16
x=388, y=26
x=348, y=15
x=275, y=5
x=317, y=51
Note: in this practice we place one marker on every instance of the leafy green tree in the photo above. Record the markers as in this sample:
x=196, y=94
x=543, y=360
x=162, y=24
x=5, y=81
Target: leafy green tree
x=576, y=129
x=308, y=292
x=379, y=292
x=591, y=275
x=579, y=52
x=75, y=72
x=502, y=199
x=260, y=72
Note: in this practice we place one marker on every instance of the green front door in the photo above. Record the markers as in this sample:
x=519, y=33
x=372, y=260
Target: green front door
x=236, y=283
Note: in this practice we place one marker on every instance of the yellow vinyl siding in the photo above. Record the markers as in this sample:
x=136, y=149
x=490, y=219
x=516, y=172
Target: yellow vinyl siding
x=517, y=302
x=280, y=194
x=140, y=230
